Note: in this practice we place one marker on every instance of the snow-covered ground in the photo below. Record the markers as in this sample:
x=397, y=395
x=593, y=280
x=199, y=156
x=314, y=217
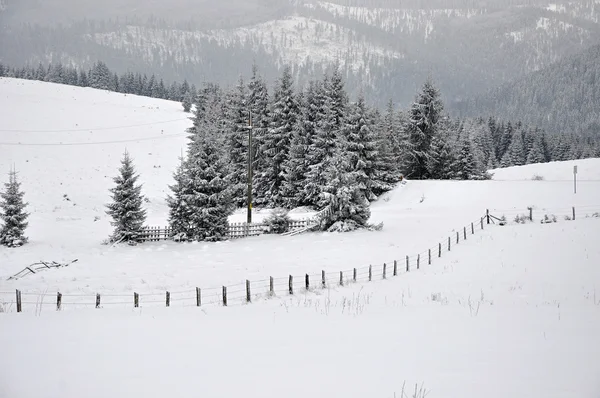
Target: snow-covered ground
x=513, y=311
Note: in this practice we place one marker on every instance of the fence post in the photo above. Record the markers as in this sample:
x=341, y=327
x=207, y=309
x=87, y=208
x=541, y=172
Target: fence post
x=407, y=265
x=291, y=285
x=271, y=286
x=341, y=278
x=307, y=282
x=323, y=281
x=168, y=299
x=136, y=300
x=472, y=229
x=248, y=294
x=531, y=214
x=18, y=296
x=487, y=215
x=354, y=275
x=440, y=250
x=418, y=261
x=97, y=300
x=573, y=213
x=429, y=256
x=384, y=269
x=370, y=273
x=224, y=296
x=198, y=297
x=58, y=301
x=481, y=220
x=457, y=236
x=465, y=232
x=448, y=243
x=395, y=268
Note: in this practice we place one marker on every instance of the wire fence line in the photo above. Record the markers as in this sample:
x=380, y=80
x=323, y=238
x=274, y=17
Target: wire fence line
x=249, y=291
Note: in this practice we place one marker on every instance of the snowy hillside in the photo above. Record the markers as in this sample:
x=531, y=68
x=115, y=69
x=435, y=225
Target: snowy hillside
x=510, y=311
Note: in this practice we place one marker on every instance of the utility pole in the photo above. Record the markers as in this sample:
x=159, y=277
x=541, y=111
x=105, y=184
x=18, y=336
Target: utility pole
x=250, y=159
x=574, y=179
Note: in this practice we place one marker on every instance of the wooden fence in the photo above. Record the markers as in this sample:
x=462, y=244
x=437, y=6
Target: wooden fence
x=250, y=290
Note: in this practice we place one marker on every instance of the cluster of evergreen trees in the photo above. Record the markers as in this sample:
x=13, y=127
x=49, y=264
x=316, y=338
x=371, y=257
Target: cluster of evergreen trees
x=101, y=77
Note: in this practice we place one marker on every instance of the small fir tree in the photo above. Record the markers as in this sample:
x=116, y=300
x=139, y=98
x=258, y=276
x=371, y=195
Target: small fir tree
x=13, y=213
x=187, y=102
x=126, y=208
x=180, y=211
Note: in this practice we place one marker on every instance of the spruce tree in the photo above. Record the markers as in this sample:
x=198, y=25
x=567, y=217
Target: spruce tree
x=128, y=215
x=13, y=215
x=424, y=116
x=237, y=121
x=536, y=153
x=187, y=102
x=466, y=167
x=276, y=144
x=442, y=163
x=180, y=211
x=208, y=196
x=359, y=145
x=342, y=194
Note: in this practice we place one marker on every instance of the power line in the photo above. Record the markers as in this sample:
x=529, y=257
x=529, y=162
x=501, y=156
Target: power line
x=96, y=129
x=94, y=143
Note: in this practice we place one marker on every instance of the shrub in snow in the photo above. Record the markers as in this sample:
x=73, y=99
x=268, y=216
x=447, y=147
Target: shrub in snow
x=568, y=218
x=126, y=210
x=596, y=215
x=537, y=177
x=548, y=219
x=521, y=219
x=13, y=215
x=278, y=222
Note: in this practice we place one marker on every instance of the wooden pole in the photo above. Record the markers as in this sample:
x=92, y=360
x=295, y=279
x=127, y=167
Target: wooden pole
x=418, y=261
x=224, y=296
x=487, y=215
x=354, y=275
x=370, y=273
x=573, y=213
x=457, y=236
x=58, y=301
x=248, y=294
x=19, y=303
x=429, y=256
x=481, y=220
x=97, y=300
x=384, y=270
x=440, y=250
x=323, y=282
x=395, y=268
x=448, y=243
x=531, y=214
x=407, y=264
x=271, y=286
x=198, y=297
x=341, y=278
x=472, y=229
x=465, y=233
x=136, y=300
x=168, y=299
x=307, y=282
x=291, y=285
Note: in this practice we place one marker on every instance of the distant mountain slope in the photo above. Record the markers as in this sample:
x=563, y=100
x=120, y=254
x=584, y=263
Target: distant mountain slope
x=386, y=48
x=562, y=98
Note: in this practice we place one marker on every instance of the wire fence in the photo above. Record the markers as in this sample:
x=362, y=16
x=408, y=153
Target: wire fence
x=249, y=291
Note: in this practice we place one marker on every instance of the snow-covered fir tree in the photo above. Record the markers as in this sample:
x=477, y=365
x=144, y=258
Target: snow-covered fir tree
x=360, y=148
x=424, y=116
x=187, y=102
x=12, y=213
x=441, y=164
x=296, y=168
x=343, y=196
x=180, y=211
x=237, y=120
x=208, y=195
x=387, y=172
x=276, y=143
x=126, y=209
x=537, y=152
x=465, y=165
x=515, y=155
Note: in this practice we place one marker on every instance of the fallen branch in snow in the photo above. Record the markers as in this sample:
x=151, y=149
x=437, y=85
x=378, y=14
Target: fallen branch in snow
x=41, y=266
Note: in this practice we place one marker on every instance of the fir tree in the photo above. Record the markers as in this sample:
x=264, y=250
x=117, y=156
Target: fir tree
x=276, y=144
x=208, y=196
x=423, y=119
x=536, y=153
x=128, y=215
x=441, y=164
x=515, y=156
x=386, y=170
x=13, y=215
x=359, y=143
x=348, y=206
x=187, y=102
x=180, y=211
x=465, y=166
x=238, y=124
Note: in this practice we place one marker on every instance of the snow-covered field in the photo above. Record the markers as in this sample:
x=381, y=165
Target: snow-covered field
x=513, y=311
